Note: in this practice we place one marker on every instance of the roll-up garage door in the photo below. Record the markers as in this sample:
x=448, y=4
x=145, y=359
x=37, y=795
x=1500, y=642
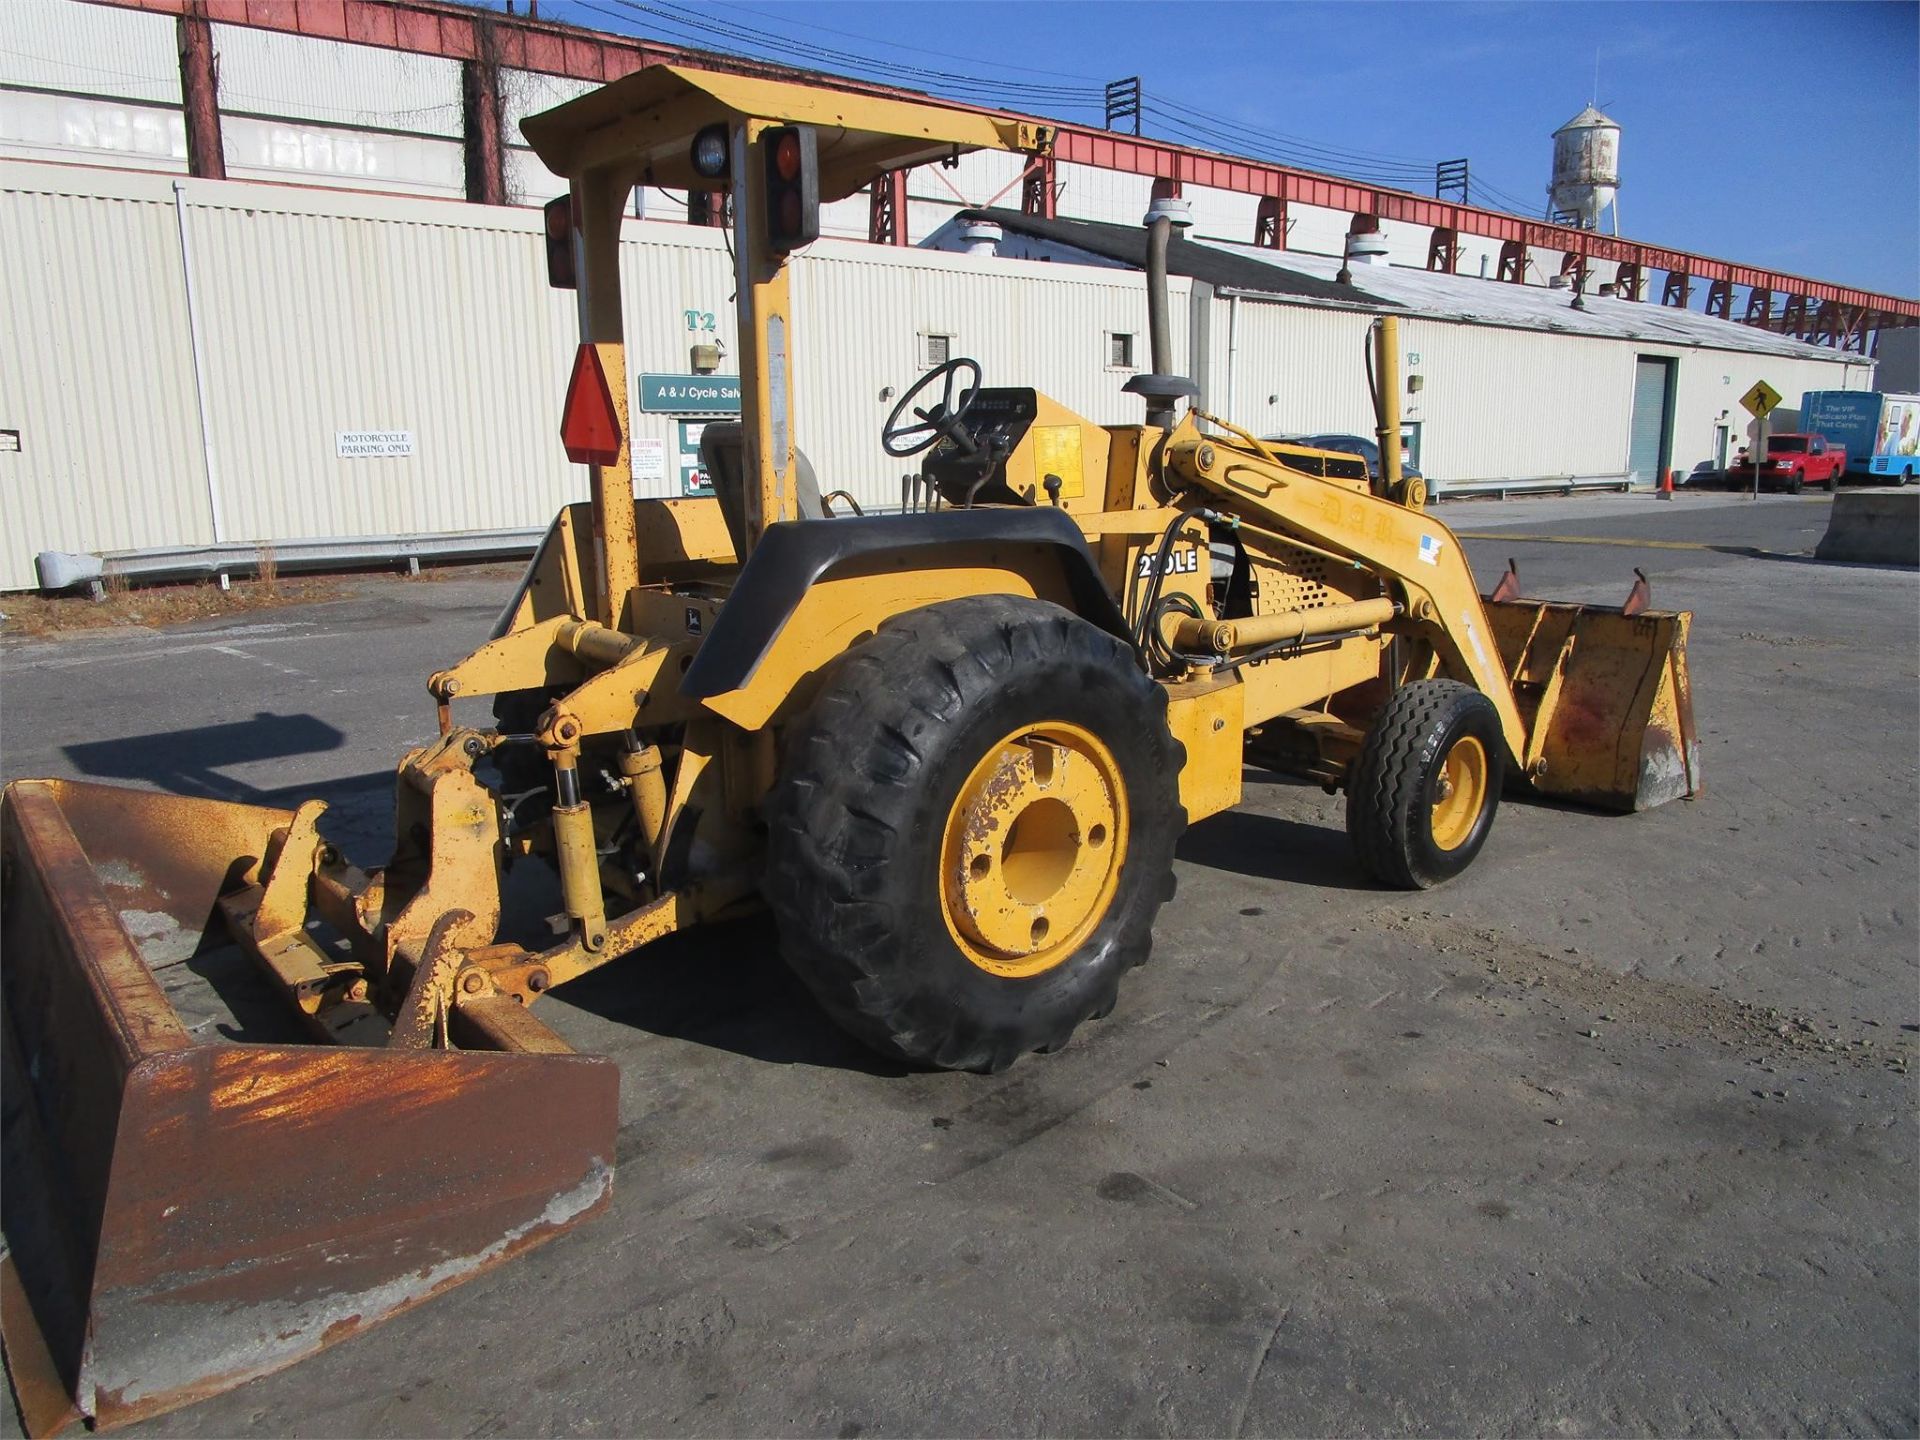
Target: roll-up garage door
x=1648, y=446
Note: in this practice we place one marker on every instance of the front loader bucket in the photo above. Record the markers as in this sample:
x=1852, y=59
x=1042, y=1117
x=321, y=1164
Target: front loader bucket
x=1606, y=699
x=185, y=1213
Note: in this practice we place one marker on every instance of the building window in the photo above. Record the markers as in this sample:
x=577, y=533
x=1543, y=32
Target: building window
x=1119, y=351
x=935, y=350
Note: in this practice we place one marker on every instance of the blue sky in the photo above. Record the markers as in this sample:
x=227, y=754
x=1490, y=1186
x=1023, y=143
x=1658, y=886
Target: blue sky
x=1780, y=135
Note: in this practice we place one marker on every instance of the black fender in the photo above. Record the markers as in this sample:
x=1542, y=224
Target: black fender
x=795, y=553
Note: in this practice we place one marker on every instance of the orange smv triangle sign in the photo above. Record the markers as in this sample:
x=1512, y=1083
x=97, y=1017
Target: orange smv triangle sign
x=589, y=428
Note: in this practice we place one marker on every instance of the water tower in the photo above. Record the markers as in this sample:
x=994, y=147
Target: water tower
x=1586, y=171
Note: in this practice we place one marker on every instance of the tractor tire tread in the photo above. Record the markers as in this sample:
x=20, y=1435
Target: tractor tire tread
x=854, y=769
x=1385, y=785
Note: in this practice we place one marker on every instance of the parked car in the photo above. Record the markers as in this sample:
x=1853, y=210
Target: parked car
x=1352, y=445
x=1793, y=462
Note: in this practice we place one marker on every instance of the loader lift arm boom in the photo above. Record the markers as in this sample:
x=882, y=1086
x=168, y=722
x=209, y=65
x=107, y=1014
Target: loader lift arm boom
x=1412, y=549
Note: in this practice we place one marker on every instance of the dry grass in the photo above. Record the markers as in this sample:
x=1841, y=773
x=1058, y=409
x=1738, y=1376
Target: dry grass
x=159, y=605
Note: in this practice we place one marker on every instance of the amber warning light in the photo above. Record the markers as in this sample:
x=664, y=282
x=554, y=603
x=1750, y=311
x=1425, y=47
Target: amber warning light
x=589, y=427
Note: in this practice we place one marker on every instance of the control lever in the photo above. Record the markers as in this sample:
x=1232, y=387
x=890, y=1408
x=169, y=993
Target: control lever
x=950, y=427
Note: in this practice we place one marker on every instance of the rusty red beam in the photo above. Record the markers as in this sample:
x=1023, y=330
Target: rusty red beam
x=1141, y=156
x=427, y=28
x=432, y=27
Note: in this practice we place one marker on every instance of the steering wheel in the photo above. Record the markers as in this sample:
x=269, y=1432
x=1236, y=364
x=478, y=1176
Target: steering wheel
x=941, y=420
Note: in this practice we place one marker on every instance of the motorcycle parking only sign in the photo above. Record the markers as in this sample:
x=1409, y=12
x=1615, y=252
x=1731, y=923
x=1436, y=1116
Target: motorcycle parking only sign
x=372, y=444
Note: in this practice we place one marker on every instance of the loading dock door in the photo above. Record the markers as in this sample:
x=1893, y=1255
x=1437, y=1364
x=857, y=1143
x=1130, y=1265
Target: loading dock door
x=1650, y=439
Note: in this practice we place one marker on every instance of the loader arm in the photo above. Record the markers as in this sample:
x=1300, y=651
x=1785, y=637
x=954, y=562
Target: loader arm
x=1410, y=548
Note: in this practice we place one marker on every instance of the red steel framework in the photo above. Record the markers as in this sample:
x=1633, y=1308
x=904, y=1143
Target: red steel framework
x=1815, y=310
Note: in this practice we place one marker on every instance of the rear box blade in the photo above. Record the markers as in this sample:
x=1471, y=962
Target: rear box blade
x=186, y=1216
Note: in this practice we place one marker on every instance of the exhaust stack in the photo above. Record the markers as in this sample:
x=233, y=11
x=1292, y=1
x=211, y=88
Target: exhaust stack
x=1160, y=386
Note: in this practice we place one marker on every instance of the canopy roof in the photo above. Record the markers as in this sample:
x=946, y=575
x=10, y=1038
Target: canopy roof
x=647, y=121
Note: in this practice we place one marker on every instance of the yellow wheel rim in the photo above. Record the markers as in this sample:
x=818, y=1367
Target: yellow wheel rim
x=1032, y=850
x=1460, y=793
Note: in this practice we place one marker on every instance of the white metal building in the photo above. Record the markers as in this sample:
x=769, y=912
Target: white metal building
x=181, y=359
x=331, y=344
x=1501, y=381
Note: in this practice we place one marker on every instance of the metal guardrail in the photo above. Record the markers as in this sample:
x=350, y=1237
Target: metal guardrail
x=1534, y=485
x=60, y=570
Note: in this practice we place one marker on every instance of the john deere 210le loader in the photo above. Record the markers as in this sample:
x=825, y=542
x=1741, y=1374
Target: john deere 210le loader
x=951, y=750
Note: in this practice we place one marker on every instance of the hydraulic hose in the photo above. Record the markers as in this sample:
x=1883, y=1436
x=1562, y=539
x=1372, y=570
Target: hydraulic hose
x=1144, y=619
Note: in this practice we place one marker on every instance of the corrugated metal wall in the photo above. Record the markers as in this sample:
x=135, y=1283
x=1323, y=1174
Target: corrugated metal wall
x=1496, y=403
x=422, y=318
x=96, y=374
x=322, y=311
x=60, y=45
x=860, y=311
x=1510, y=404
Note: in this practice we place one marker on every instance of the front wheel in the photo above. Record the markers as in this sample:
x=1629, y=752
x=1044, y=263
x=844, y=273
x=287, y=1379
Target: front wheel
x=1793, y=484
x=1422, y=795
x=973, y=830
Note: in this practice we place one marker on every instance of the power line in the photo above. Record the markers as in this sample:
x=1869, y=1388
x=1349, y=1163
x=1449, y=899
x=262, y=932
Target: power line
x=1379, y=162
x=1188, y=124
x=1191, y=133
x=916, y=49
x=785, y=48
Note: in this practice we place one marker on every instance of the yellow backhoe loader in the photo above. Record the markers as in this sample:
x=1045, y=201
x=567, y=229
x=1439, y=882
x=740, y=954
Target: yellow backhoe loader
x=951, y=750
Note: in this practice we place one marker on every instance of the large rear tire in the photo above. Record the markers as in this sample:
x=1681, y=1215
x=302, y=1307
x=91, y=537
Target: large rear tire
x=1422, y=796
x=973, y=830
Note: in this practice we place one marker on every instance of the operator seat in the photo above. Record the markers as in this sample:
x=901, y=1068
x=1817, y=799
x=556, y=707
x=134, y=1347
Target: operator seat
x=723, y=448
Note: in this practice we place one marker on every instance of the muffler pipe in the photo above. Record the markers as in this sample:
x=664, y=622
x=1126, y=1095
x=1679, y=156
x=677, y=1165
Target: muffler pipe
x=1159, y=340
x=1166, y=212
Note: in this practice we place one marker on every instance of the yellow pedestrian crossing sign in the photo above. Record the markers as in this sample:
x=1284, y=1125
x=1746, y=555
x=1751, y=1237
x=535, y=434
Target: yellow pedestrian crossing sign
x=1760, y=399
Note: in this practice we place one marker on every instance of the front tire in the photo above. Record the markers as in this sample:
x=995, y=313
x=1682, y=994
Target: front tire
x=1422, y=796
x=973, y=830
x=1794, y=485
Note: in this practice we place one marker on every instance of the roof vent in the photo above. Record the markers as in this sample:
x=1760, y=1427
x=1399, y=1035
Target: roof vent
x=1170, y=207
x=981, y=237
x=1367, y=247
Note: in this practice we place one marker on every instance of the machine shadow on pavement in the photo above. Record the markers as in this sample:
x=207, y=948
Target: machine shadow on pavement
x=1269, y=847
x=189, y=762
x=198, y=763
x=728, y=989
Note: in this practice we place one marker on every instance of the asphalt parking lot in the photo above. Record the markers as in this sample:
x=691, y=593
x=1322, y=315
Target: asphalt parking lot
x=1614, y=1134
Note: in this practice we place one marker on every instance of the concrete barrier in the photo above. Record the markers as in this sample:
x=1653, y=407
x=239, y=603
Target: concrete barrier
x=1877, y=527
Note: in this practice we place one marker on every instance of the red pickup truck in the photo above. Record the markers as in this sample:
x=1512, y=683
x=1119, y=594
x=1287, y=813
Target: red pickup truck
x=1794, y=461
